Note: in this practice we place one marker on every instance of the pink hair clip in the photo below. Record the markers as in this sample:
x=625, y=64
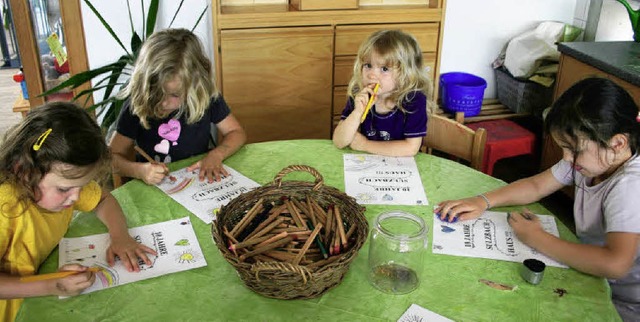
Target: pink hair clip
x=638, y=118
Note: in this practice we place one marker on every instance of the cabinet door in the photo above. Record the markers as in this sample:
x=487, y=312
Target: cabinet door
x=278, y=81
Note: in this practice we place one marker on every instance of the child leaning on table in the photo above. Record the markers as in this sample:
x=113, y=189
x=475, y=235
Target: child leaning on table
x=596, y=123
x=47, y=166
x=397, y=121
x=172, y=107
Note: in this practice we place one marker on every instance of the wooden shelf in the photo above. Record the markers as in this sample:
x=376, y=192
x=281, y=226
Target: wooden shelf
x=265, y=16
x=491, y=110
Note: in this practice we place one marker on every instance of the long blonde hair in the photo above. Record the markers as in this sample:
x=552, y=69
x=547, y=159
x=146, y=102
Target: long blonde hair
x=166, y=55
x=401, y=51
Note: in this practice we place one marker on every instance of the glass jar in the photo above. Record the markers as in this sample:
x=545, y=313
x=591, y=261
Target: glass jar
x=396, y=252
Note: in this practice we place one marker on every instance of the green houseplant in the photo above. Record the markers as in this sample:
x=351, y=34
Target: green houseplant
x=634, y=18
x=112, y=76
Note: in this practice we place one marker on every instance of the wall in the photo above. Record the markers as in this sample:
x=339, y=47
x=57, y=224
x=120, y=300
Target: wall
x=475, y=31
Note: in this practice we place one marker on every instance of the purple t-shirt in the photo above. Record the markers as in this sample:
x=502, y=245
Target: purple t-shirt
x=169, y=139
x=395, y=125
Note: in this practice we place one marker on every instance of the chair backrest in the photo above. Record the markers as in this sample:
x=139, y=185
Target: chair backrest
x=455, y=139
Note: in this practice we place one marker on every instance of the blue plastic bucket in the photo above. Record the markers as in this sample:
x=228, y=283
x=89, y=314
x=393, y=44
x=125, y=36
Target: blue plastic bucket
x=462, y=92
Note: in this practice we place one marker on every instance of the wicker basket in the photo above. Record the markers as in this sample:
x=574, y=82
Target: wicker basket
x=284, y=280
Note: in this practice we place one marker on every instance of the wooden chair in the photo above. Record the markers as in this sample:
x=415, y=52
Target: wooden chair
x=455, y=139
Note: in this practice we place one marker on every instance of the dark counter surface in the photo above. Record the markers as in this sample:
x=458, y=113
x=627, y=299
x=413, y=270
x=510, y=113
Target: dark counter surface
x=618, y=58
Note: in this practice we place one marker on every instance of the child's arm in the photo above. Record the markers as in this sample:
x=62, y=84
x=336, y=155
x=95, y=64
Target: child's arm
x=613, y=260
x=521, y=192
x=346, y=130
x=122, y=244
x=12, y=288
x=233, y=138
x=395, y=148
x=123, y=157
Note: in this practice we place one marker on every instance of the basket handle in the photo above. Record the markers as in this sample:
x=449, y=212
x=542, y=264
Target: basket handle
x=299, y=167
x=280, y=266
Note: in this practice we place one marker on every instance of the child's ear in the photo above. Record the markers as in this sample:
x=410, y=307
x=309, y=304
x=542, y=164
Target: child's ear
x=619, y=142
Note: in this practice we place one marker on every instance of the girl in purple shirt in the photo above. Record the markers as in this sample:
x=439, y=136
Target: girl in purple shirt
x=397, y=120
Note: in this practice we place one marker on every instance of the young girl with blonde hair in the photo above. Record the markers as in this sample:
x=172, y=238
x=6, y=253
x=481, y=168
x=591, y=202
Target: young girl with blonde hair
x=397, y=121
x=174, y=111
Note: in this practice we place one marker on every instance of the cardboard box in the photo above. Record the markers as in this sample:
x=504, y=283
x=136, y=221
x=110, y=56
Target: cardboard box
x=324, y=4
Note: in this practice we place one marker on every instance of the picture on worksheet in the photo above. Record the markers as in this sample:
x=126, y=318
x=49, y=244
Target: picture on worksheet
x=202, y=198
x=174, y=241
x=488, y=236
x=383, y=180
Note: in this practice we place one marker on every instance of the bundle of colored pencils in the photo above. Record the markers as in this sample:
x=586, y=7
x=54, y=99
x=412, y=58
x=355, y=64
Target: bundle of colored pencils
x=300, y=232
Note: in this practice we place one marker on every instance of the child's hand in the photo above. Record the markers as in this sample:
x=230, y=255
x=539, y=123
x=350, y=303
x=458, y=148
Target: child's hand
x=210, y=167
x=73, y=284
x=129, y=251
x=153, y=173
x=463, y=209
x=526, y=225
x=362, y=99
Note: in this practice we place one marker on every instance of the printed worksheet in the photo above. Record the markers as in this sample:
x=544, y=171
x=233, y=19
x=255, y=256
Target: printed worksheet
x=174, y=241
x=382, y=180
x=202, y=198
x=489, y=236
x=416, y=313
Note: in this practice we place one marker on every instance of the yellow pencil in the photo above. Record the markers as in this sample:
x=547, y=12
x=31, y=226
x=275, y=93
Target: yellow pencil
x=50, y=276
x=370, y=103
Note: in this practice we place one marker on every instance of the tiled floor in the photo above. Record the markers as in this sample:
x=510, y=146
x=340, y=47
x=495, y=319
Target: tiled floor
x=9, y=91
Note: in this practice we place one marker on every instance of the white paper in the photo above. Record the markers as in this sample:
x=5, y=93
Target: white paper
x=489, y=236
x=174, y=241
x=202, y=198
x=416, y=313
x=382, y=180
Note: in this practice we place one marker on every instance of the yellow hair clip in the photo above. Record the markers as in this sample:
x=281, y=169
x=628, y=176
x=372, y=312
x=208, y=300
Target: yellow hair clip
x=41, y=139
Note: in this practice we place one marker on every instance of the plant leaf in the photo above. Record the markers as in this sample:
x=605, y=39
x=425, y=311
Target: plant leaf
x=106, y=25
x=151, y=19
x=200, y=18
x=81, y=78
x=176, y=13
x=136, y=43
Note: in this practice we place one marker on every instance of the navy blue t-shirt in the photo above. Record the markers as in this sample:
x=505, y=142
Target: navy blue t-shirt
x=171, y=139
x=395, y=125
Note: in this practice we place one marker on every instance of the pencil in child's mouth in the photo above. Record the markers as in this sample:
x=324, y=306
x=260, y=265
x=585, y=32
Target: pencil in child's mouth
x=370, y=103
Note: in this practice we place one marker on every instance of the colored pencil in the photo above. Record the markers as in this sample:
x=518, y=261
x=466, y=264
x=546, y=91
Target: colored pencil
x=50, y=276
x=370, y=103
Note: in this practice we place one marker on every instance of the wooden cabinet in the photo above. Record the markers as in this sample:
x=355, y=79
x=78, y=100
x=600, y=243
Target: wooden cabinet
x=284, y=71
x=34, y=21
x=278, y=81
x=571, y=71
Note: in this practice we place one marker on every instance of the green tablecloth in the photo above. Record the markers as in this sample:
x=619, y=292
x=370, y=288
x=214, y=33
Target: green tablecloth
x=449, y=284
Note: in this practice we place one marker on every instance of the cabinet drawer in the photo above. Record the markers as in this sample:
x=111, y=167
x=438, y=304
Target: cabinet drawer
x=343, y=68
x=349, y=38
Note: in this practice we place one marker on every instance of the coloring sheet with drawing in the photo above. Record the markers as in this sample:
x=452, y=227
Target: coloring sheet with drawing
x=381, y=180
x=417, y=313
x=202, y=198
x=489, y=236
x=174, y=241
